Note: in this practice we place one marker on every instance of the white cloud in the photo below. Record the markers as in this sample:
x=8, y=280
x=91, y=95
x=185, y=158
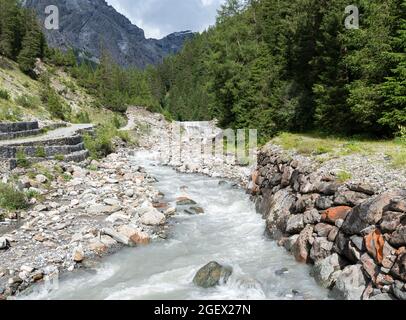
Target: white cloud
x=159, y=18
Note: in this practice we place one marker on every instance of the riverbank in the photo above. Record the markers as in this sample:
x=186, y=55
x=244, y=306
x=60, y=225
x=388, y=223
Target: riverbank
x=98, y=208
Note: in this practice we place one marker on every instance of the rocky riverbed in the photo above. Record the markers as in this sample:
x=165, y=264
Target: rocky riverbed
x=102, y=207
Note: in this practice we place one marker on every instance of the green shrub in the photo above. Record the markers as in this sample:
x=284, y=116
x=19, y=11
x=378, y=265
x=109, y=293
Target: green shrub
x=66, y=177
x=344, y=176
x=100, y=143
x=32, y=194
x=27, y=101
x=57, y=108
x=59, y=157
x=40, y=152
x=10, y=114
x=11, y=198
x=4, y=94
x=81, y=117
x=22, y=160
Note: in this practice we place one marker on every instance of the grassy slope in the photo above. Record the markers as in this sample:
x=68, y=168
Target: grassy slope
x=18, y=84
x=326, y=148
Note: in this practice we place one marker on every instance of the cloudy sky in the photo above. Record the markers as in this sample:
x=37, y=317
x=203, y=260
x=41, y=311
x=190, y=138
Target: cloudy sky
x=159, y=18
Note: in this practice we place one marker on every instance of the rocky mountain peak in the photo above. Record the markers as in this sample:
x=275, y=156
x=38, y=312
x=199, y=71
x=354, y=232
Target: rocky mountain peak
x=90, y=25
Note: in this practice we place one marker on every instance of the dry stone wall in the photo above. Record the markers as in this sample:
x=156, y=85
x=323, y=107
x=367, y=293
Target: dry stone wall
x=354, y=238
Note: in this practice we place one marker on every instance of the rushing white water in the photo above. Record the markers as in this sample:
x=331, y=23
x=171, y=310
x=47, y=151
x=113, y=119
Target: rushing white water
x=230, y=232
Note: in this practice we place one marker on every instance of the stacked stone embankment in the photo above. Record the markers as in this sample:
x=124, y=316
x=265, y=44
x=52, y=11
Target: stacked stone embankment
x=19, y=129
x=354, y=238
x=71, y=147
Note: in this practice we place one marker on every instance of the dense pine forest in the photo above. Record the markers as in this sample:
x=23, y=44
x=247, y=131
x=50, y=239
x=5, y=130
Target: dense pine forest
x=266, y=64
x=293, y=66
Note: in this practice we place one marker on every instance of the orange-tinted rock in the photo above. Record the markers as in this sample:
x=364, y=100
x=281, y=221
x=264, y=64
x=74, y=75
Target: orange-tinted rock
x=333, y=214
x=255, y=176
x=140, y=238
x=374, y=243
x=160, y=205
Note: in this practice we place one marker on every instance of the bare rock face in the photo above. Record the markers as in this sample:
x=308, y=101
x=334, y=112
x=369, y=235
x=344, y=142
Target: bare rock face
x=85, y=24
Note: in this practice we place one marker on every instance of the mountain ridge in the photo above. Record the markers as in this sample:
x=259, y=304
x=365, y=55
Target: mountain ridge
x=90, y=25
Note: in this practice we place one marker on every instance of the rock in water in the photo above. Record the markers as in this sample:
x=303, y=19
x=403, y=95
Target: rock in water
x=153, y=218
x=211, y=275
x=4, y=243
x=184, y=201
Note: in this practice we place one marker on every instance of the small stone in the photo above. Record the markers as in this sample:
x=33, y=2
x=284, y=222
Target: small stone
x=39, y=237
x=282, y=271
x=40, y=208
x=38, y=276
x=324, y=203
x=170, y=212
x=194, y=210
x=333, y=234
x=78, y=255
x=184, y=201
x=129, y=193
x=98, y=247
x=112, y=202
x=40, y=178
x=27, y=269
x=153, y=218
x=4, y=243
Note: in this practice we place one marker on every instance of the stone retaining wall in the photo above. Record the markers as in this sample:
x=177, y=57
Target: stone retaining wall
x=354, y=238
x=18, y=126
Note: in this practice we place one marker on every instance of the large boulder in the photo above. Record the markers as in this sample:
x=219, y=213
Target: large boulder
x=326, y=271
x=399, y=269
x=295, y=224
x=391, y=220
x=398, y=204
x=350, y=284
x=362, y=187
x=278, y=211
x=374, y=243
x=321, y=249
x=301, y=249
x=368, y=213
x=398, y=238
x=349, y=198
x=211, y=275
x=136, y=236
x=332, y=215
